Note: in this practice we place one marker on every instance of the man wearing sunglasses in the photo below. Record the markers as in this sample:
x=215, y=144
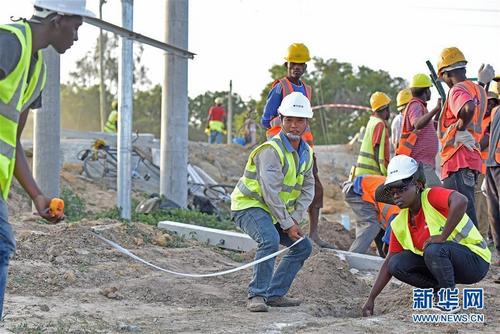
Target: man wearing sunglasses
x=433, y=243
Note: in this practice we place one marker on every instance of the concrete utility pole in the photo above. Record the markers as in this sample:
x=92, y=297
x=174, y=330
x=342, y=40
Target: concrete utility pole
x=230, y=113
x=174, y=110
x=125, y=104
x=47, y=130
x=102, y=91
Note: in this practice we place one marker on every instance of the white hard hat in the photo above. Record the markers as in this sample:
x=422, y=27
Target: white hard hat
x=400, y=167
x=296, y=104
x=218, y=100
x=64, y=7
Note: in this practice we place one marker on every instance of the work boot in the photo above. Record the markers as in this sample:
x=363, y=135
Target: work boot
x=257, y=304
x=284, y=302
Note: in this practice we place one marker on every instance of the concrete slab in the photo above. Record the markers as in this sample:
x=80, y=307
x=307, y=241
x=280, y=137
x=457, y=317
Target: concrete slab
x=359, y=261
x=224, y=239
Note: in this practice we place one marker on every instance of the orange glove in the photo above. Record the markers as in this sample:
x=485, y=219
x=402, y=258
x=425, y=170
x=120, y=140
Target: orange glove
x=56, y=207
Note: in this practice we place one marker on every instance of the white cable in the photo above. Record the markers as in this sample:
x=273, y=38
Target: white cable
x=135, y=257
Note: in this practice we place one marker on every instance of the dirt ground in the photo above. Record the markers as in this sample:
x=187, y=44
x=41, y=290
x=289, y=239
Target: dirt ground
x=63, y=279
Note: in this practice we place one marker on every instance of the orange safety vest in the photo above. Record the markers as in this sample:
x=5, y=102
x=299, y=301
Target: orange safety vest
x=484, y=150
x=369, y=184
x=495, y=136
x=287, y=88
x=447, y=134
x=408, y=138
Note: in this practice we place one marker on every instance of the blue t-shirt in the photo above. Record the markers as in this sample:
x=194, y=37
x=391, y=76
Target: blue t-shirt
x=274, y=100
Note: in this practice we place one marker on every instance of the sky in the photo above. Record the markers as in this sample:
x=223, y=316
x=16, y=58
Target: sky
x=240, y=40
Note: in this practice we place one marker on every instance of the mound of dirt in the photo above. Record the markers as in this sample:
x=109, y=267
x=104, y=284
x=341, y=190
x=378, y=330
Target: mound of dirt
x=326, y=281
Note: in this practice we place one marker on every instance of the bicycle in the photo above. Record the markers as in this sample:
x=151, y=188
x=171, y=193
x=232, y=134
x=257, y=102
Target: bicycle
x=100, y=162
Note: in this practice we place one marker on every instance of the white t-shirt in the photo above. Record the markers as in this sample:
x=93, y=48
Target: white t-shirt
x=396, y=130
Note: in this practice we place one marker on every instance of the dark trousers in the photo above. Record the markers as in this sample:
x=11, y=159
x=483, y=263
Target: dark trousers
x=464, y=181
x=493, y=201
x=441, y=266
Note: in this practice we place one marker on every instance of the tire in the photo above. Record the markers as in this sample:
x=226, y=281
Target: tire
x=100, y=168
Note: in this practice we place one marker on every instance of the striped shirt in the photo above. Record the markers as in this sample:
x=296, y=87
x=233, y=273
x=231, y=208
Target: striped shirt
x=427, y=145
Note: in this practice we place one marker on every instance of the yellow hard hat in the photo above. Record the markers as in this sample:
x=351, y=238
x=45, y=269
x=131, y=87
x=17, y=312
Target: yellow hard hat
x=404, y=96
x=421, y=80
x=450, y=56
x=297, y=53
x=114, y=105
x=379, y=100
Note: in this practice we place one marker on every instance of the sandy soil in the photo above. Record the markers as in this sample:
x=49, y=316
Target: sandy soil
x=65, y=280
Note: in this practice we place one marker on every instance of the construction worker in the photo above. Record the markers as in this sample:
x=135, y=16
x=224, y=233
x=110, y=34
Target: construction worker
x=485, y=137
x=296, y=59
x=402, y=99
x=373, y=218
x=459, y=128
x=419, y=138
x=269, y=201
x=215, y=121
x=374, y=152
x=250, y=129
x=22, y=78
x=433, y=243
x=493, y=181
x=111, y=125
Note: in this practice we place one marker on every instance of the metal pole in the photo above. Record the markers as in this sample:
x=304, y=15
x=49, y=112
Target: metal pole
x=47, y=130
x=125, y=104
x=174, y=110
x=102, y=101
x=230, y=113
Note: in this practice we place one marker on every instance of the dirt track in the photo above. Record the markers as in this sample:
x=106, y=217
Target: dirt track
x=64, y=280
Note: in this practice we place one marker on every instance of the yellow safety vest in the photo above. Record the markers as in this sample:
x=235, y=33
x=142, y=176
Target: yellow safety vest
x=465, y=233
x=368, y=163
x=216, y=126
x=17, y=93
x=111, y=123
x=248, y=194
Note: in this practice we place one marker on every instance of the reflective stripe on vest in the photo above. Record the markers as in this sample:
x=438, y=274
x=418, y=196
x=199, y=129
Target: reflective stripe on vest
x=465, y=233
x=247, y=192
x=447, y=134
x=369, y=185
x=17, y=93
x=275, y=123
x=408, y=139
x=367, y=162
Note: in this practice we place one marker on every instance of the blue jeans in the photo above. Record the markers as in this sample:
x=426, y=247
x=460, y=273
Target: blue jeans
x=442, y=266
x=7, y=247
x=258, y=224
x=464, y=181
x=215, y=137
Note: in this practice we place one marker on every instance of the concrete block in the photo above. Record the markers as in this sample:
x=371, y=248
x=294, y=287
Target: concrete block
x=224, y=239
x=359, y=261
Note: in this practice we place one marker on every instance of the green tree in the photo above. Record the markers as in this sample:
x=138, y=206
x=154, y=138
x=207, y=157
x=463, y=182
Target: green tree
x=198, y=112
x=338, y=82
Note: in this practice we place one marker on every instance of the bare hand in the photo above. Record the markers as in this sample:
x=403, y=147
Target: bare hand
x=439, y=104
x=435, y=239
x=294, y=232
x=42, y=206
x=368, y=308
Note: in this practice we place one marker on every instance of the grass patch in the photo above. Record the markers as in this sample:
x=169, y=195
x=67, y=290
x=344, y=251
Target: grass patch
x=75, y=208
x=178, y=215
